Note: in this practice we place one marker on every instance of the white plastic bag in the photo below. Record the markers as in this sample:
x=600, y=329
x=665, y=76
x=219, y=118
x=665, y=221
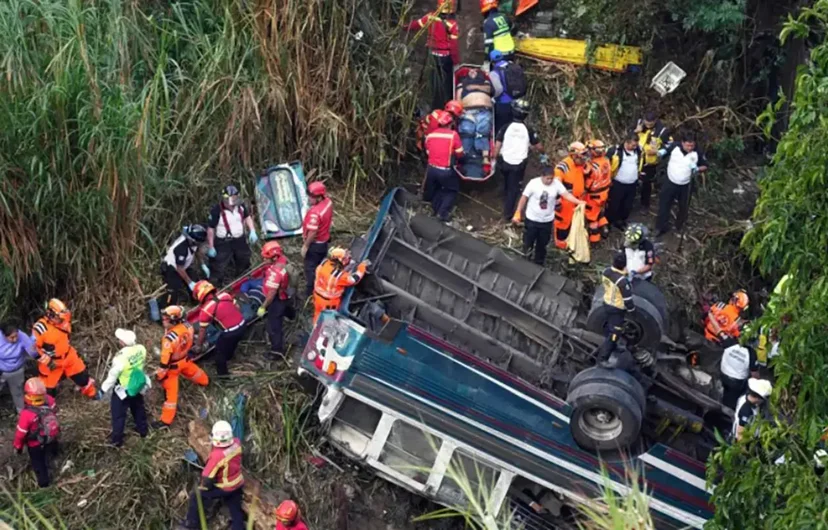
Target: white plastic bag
x=577, y=243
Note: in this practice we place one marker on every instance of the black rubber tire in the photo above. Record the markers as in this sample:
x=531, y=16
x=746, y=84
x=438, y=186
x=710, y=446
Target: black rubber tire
x=608, y=397
x=651, y=293
x=646, y=318
x=619, y=378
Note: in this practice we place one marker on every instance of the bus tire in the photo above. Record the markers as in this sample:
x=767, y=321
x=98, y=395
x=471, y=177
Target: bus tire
x=619, y=378
x=604, y=416
x=643, y=327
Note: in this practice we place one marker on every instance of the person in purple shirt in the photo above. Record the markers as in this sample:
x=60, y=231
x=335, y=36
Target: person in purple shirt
x=14, y=346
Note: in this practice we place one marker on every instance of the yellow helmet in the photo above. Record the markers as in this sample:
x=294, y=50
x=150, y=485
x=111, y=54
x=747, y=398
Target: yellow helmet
x=202, y=289
x=577, y=148
x=342, y=255
x=597, y=147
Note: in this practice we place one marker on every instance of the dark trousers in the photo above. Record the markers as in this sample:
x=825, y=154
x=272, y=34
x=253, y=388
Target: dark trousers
x=442, y=81
x=669, y=194
x=119, y=407
x=441, y=188
x=177, y=291
x=733, y=389
x=648, y=177
x=317, y=252
x=231, y=499
x=536, y=238
x=232, y=259
x=226, y=348
x=613, y=331
x=39, y=457
x=512, y=178
x=502, y=115
x=275, y=324
x=620, y=202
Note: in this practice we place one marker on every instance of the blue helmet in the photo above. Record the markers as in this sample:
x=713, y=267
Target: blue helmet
x=495, y=56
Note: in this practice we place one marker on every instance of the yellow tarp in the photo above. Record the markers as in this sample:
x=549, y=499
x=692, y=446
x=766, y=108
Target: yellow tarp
x=608, y=57
x=577, y=243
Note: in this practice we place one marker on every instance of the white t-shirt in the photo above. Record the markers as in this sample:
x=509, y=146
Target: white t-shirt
x=628, y=170
x=736, y=362
x=679, y=167
x=541, y=199
x=516, y=138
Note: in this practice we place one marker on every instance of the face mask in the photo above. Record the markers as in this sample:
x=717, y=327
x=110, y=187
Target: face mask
x=231, y=202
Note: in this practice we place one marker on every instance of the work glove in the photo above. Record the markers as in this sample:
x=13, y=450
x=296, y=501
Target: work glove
x=211, y=252
x=206, y=270
x=662, y=152
x=253, y=238
x=262, y=311
x=191, y=285
x=544, y=159
x=516, y=219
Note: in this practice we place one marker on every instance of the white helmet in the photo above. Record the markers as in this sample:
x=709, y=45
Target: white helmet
x=222, y=434
x=760, y=387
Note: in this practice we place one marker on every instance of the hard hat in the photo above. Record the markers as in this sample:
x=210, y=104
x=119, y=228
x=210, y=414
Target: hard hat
x=633, y=233
x=445, y=6
x=229, y=191
x=126, y=336
x=340, y=254
x=740, y=299
x=598, y=147
x=287, y=512
x=195, y=233
x=271, y=250
x=487, y=5
x=520, y=108
x=495, y=56
x=222, y=434
x=34, y=392
x=454, y=108
x=444, y=119
x=173, y=312
x=577, y=148
x=202, y=289
x=760, y=387
x=57, y=310
x=317, y=189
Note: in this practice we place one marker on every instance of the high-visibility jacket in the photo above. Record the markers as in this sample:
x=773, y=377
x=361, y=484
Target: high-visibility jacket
x=723, y=320
x=617, y=289
x=128, y=360
x=175, y=345
x=650, y=141
x=443, y=35
x=443, y=146
x=597, y=186
x=332, y=280
x=572, y=176
x=224, y=467
x=498, y=33
x=51, y=340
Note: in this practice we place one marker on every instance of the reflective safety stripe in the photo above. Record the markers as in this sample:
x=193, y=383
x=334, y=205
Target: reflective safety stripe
x=224, y=465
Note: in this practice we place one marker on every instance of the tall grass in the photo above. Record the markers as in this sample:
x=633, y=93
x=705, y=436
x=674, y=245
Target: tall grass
x=120, y=119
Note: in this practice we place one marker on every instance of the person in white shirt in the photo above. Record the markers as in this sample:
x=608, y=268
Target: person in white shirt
x=625, y=161
x=737, y=365
x=539, y=200
x=225, y=236
x=749, y=406
x=683, y=162
x=128, y=383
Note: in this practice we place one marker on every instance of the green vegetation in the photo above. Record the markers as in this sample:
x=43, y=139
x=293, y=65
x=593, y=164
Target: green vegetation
x=790, y=235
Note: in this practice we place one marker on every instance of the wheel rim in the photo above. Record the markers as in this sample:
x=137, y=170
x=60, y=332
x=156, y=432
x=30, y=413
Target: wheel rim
x=600, y=424
x=633, y=332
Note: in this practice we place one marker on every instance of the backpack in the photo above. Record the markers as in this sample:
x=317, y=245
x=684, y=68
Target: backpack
x=515, y=80
x=137, y=382
x=48, y=428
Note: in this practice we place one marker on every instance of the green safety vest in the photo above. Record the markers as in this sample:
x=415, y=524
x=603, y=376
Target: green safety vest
x=132, y=378
x=503, y=40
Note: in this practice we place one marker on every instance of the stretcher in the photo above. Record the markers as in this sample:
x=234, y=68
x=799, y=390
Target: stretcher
x=612, y=57
x=487, y=169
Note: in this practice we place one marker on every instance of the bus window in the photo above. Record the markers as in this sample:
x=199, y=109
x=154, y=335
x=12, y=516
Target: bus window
x=536, y=507
x=410, y=451
x=354, y=425
x=466, y=476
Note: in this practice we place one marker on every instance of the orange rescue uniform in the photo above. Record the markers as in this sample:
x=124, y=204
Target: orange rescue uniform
x=58, y=358
x=723, y=321
x=597, y=189
x=175, y=346
x=331, y=282
x=573, y=178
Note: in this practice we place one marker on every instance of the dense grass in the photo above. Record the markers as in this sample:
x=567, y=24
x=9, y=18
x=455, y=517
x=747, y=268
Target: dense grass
x=120, y=119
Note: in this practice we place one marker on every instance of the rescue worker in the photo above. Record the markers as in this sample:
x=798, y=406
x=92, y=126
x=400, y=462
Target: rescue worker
x=537, y=208
x=316, y=232
x=725, y=321
x=333, y=277
x=683, y=163
x=618, y=298
x=37, y=428
x=219, y=309
x=572, y=172
x=737, y=364
x=442, y=184
x=15, y=346
x=175, y=347
x=443, y=36
x=226, y=243
x=56, y=357
x=453, y=107
x=597, y=186
x=749, y=406
x=503, y=99
x=176, y=265
x=128, y=383
x=288, y=517
x=432, y=120
x=497, y=32
x=625, y=160
x=652, y=136
x=276, y=303
x=512, y=144
x=221, y=480
x=640, y=253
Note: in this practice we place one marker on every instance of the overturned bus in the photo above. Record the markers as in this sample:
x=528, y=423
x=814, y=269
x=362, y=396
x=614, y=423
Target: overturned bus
x=455, y=359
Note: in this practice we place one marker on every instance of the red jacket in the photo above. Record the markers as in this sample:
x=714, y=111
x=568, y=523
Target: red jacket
x=442, y=145
x=319, y=218
x=443, y=35
x=276, y=278
x=298, y=525
x=27, y=426
x=224, y=467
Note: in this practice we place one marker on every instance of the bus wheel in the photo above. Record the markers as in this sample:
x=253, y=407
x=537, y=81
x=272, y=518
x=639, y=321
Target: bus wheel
x=604, y=417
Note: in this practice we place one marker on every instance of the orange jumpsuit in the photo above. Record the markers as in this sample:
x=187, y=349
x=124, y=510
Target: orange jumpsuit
x=331, y=282
x=597, y=189
x=58, y=358
x=174, y=348
x=573, y=178
x=723, y=320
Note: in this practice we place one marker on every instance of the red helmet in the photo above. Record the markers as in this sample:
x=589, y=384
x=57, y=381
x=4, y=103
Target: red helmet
x=272, y=249
x=34, y=392
x=455, y=108
x=487, y=5
x=202, y=289
x=317, y=189
x=287, y=512
x=444, y=119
